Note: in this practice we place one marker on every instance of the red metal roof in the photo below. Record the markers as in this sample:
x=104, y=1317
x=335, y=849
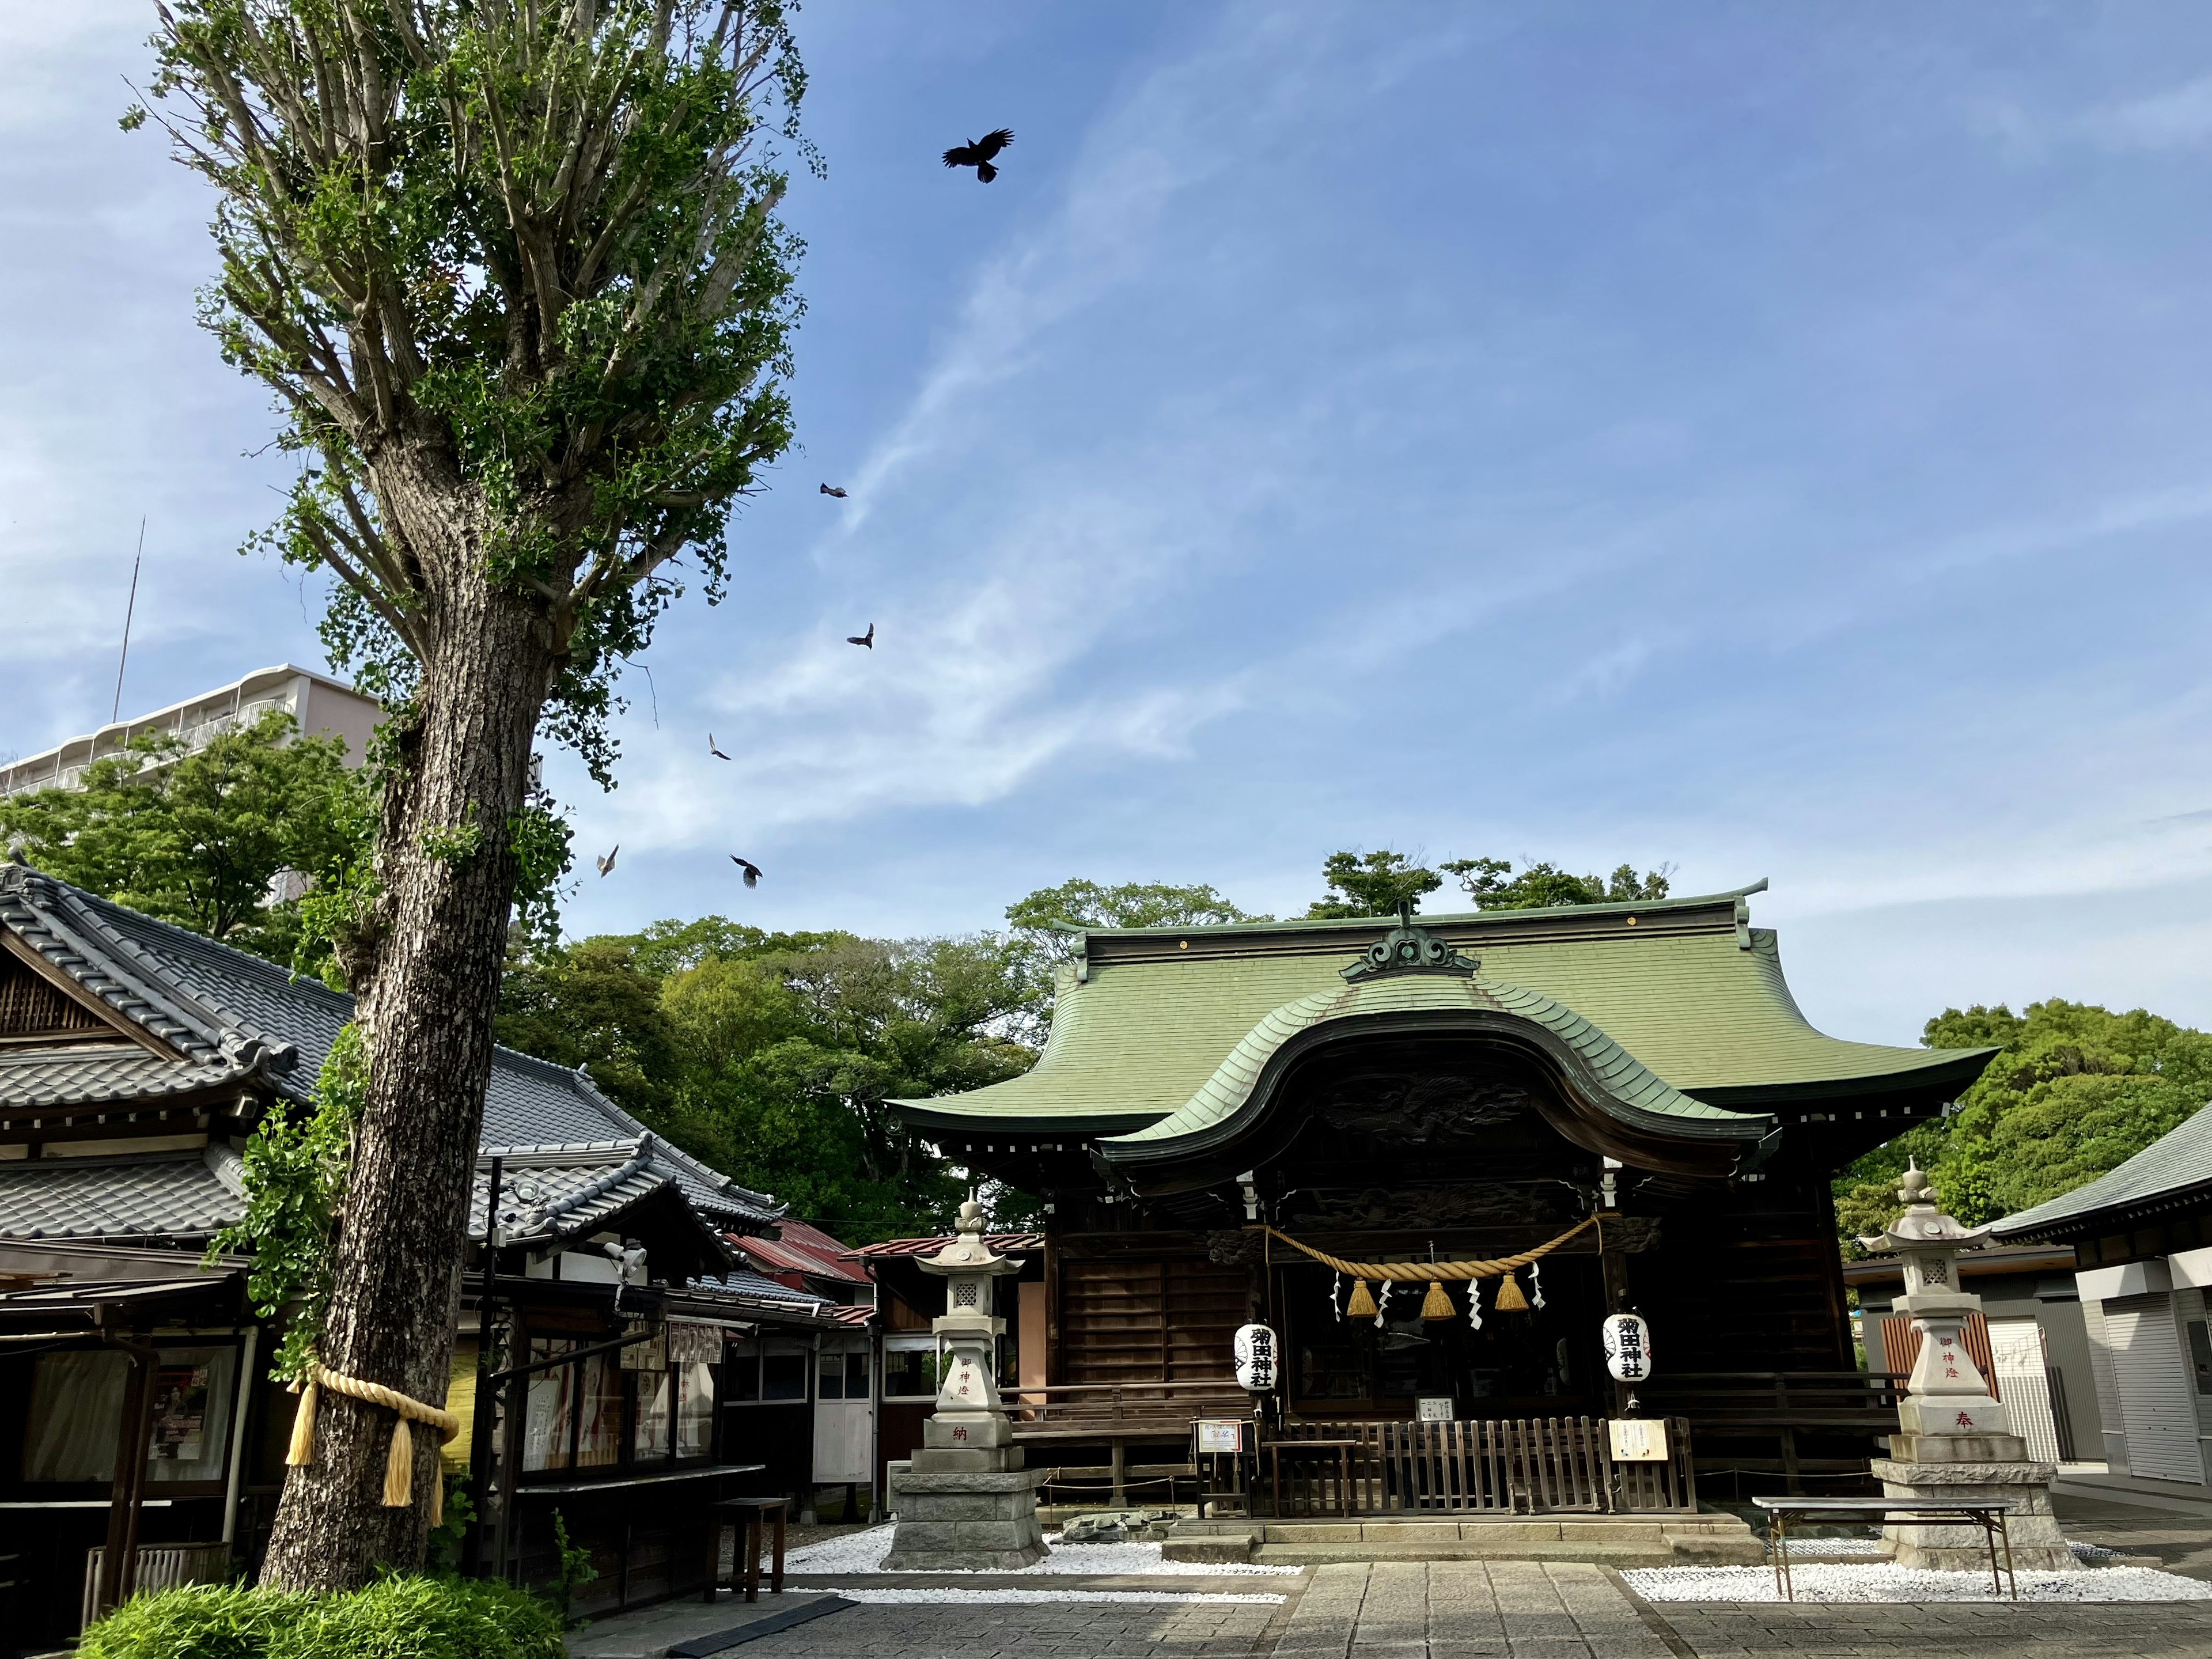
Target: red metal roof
x=802, y=1250
x=1002, y=1244
x=851, y=1313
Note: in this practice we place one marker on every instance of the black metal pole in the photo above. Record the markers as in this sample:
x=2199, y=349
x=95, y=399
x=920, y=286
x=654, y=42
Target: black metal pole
x=487, y=1395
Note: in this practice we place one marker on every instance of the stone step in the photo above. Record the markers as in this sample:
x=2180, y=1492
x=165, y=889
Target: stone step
x=1702, y=1539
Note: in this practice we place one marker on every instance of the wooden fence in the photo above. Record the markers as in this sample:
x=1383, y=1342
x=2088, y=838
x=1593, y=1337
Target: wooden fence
x=1539, y=1466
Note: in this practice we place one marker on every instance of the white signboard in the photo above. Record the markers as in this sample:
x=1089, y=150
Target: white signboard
x=1626, y=1340
x=1255, y=1359
x=1221, y=1434
x=1433, y=1408
x=1638, y=1440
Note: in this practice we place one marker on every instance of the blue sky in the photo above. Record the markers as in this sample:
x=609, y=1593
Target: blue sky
x=1769, y=440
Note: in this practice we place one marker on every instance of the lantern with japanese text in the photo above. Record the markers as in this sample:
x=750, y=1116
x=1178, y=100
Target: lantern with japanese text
x=1626, y=1340
x=1255, y=1350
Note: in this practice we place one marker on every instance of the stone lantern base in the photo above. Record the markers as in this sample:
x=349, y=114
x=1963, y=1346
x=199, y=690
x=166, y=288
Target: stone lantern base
x=954, y=1520
x=965, y=1502
x=1961, y=1468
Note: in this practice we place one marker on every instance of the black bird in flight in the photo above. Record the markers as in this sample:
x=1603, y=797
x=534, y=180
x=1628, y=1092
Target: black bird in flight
x=978, y=155
x=711, y=749
x=867, y=639
x=832, y=489
x=752, y=871
x=607, y=863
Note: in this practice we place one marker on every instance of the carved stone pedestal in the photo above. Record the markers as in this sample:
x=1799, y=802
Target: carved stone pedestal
x=1962, y=1469
x=948, y=1521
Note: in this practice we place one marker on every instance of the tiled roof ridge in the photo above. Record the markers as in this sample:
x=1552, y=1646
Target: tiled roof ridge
x=638, y=1164
x=1452, y=918
x=66, y=927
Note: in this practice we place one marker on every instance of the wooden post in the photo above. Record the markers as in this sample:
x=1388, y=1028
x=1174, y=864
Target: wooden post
x=483, y=1410
x=118, y=1558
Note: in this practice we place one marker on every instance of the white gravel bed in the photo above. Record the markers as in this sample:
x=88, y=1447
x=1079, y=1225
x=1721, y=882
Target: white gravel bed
x=1025, y=1597
x=1890, y=1582
x=864, y=1552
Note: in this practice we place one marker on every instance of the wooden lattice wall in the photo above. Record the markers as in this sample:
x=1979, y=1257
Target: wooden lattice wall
x=29, y=1006
x=1149, y=1321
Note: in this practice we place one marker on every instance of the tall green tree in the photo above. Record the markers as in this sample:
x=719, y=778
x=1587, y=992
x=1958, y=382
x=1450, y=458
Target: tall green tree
x=515, y=276
x=1046, y=923
x=771, y=1056
x=224, y=841
x=1493, y=886
x=2076, y=1090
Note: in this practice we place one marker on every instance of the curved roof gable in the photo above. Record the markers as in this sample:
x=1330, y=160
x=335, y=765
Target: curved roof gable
x=1632, y=1088
x=1686, y=987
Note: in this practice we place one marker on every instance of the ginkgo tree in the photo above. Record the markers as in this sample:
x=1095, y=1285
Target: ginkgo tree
x=514, y=273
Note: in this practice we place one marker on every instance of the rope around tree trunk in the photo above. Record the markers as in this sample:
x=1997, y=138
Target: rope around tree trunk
x=1409, y=1272
x=399, y=1464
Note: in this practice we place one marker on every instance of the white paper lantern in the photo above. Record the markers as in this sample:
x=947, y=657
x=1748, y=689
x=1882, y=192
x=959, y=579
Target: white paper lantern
x=1627, y=1343
x=1255, y=1352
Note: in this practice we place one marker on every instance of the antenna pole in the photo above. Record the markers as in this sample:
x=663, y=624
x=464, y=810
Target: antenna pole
x=129, y=610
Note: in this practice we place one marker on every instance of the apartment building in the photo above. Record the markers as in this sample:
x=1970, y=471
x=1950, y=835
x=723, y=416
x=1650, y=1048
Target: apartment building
x=321, y=707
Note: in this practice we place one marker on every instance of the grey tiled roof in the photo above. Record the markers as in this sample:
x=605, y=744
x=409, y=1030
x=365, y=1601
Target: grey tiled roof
x=2177, y=1161
x=101, y=1071
x=235, y=1018
x=558, y=1192
x=741, y=1283
x=187, y=1196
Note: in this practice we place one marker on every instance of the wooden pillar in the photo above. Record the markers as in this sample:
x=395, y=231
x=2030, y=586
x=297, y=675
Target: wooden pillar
x=118, y=1560
x=1613, y=1267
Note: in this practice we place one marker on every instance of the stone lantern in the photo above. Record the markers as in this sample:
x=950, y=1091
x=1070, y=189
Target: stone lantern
x=1954, y=1441
x=965, y=1501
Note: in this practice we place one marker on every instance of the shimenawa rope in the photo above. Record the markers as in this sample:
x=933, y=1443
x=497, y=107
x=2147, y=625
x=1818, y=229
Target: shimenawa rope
x=399, y=1465
x=1406, y=1272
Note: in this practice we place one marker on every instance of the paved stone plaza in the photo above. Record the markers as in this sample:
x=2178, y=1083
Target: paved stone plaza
x=1446, y=1610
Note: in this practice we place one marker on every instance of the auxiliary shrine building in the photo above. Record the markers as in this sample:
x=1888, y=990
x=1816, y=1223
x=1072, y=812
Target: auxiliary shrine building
x=1456, y=1088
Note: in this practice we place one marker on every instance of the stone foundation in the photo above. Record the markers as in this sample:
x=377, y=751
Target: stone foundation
x=1962, y=1469
x=950, y=1520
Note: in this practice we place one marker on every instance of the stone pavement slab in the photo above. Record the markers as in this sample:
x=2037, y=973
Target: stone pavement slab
x=2123, y=1630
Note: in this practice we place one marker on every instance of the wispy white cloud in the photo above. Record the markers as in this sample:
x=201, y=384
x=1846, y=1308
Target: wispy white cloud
x=2179, y=117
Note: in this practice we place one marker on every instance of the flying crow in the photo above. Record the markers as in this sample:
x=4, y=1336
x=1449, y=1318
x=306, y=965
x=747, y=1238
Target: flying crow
x=752, y=871
x=978, y=155
x=867, y=639
x=832, y=489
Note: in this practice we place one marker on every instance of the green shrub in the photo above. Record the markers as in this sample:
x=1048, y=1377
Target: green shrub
x=199, y=1621
x=410, y=1618
x=402, y=1617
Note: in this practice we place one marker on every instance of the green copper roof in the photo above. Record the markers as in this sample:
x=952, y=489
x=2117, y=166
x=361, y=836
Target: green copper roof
x=1692, y=996
x=1232, y=1084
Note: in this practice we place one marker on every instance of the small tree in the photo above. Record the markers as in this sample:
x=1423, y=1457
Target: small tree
x=1372, y=884
x=224, y=842
x=1493, y=886
x=514, y=275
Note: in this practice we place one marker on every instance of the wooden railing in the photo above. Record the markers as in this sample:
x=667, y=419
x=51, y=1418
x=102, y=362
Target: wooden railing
x=1780, y=1409
x=1071, y=1411
x=1523, y=1466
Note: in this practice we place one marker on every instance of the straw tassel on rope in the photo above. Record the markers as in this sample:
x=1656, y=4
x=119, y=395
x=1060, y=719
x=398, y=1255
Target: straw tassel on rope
x=1435, y=1305
x=1413, y=1273
x=399, y=1462
x=1509, y=1298
x=1362, y=1305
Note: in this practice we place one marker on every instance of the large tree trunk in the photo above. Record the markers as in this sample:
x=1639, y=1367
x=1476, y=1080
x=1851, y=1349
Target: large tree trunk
x=431, y=990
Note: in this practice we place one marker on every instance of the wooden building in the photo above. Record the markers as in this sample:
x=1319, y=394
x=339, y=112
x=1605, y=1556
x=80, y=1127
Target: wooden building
x=135, y=1059
x=1464, y=1088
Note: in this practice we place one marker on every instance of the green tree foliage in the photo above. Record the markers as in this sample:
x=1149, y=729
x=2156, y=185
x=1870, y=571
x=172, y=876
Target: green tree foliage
x=2075, y=1090
x=770, y=1055
x=1371, y=884
x=1045, y=922
x=1493, y=886
x=201, y=839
